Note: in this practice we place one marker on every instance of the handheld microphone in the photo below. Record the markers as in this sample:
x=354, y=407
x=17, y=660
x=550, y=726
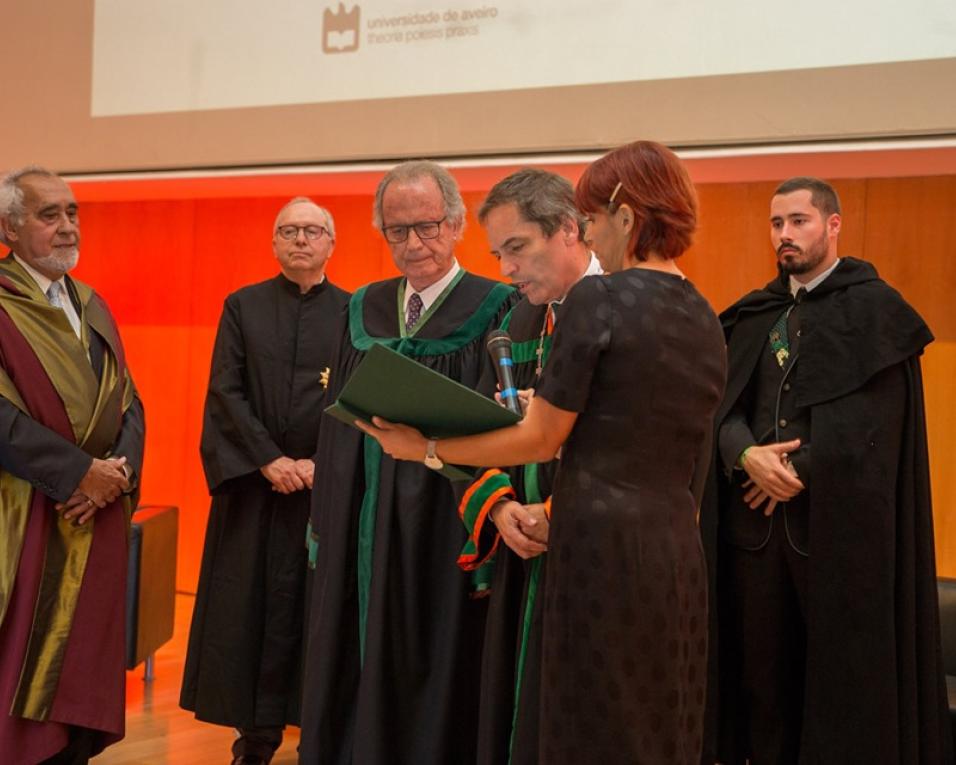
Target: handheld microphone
x=499, y=346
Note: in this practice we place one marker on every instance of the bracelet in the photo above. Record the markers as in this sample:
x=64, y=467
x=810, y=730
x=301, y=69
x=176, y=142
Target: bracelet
x=743, y=456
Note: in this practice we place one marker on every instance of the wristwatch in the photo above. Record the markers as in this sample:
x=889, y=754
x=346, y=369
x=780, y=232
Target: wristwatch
x=432, y=460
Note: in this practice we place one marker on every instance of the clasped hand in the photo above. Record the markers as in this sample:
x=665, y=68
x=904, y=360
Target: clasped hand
x=772, y=478
x=288, y=475
x=104, y=482
x=524, y=528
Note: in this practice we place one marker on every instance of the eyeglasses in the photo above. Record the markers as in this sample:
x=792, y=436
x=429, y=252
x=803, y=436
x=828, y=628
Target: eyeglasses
x=428, y=229
x=292, y=232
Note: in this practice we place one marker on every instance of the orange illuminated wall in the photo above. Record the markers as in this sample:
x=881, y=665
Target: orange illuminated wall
x=165, y=266
x=166, y=252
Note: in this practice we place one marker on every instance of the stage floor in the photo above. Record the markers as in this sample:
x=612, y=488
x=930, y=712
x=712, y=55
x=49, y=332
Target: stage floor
x=158, y=732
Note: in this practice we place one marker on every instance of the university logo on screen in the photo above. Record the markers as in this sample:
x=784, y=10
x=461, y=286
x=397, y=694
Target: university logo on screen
x=340, y=29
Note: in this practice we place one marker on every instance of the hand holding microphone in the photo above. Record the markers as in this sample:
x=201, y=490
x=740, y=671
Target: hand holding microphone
x=499, y=346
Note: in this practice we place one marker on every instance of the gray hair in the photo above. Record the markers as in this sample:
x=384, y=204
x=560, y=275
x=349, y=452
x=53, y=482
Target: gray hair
x=416, y=170
x=11, y=195
x=329, y=222
x=541, y=197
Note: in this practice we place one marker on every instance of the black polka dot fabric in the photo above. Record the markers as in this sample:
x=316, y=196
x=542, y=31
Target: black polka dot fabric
x=640, y=355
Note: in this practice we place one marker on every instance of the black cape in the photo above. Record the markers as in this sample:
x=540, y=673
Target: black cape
x=875, y=691
x=511, y=657
x=264, y=401
x=393, y=637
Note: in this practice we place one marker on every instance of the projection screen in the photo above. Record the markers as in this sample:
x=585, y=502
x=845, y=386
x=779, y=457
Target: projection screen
x=149, y=84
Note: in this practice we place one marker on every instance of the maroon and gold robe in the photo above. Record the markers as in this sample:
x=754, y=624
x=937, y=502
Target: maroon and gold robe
x=63, y=401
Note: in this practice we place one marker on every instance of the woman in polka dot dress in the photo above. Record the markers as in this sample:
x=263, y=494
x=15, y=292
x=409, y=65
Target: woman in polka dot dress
x=629, y=392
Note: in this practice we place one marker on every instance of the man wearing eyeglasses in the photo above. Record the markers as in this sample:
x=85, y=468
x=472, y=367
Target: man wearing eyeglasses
x=394, y=632
x=261, y=420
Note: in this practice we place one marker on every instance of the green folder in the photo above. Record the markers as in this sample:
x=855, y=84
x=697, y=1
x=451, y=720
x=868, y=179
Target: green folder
x=387, y=384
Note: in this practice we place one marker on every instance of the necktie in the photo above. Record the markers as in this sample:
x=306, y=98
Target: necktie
x=780, y=332
x=415, y=306
x=54, y=295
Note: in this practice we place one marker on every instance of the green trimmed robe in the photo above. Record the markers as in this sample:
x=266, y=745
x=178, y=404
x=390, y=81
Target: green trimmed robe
x=394, y=634
x=511, y=655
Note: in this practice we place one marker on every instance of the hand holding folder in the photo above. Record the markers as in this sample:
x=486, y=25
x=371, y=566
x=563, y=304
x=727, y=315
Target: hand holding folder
x=399, y=389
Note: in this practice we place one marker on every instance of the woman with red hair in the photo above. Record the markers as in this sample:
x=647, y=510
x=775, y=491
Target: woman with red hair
x=635, y=375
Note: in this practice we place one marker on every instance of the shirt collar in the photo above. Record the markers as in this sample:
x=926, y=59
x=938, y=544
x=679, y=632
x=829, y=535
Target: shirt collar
x=594, y=267
x=814, y=282
x=430, y=293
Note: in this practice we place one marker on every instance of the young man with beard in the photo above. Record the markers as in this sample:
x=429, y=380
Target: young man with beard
x=817, y=521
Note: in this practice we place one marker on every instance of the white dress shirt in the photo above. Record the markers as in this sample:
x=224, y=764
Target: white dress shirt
x=44, y=284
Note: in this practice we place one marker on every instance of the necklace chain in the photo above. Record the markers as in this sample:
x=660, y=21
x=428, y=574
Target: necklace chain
x=540, y=350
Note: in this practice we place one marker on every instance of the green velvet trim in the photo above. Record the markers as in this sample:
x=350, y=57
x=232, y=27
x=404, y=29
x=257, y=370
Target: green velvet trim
x=532, y=488
x=527, y=351
x=489, y=485
x=532, y=494
x=506, y=322
x=366, y=534
x=423, y=319
x=312, y=545
x=534, y=574
x=467, y=333
x=482, y=576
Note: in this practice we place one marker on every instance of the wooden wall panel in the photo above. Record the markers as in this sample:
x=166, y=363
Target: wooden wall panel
x=939, y=378
x=909, y=236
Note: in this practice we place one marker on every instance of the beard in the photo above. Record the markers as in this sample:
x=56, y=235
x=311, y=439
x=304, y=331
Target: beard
x=59, y=262
x=799, y=261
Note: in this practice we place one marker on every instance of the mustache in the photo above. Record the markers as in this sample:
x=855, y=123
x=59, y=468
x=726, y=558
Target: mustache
x=788, y=246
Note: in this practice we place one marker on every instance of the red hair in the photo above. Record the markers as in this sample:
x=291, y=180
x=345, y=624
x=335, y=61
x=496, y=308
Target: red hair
x=655, y=185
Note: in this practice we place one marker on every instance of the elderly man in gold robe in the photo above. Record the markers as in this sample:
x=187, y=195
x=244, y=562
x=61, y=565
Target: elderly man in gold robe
x=71, y=447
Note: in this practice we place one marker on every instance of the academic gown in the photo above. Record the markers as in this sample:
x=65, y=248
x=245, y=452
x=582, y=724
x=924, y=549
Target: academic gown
x=511, y=655
x=874, y=688
x=394, y=631
x=63, y=401
x=264, y=401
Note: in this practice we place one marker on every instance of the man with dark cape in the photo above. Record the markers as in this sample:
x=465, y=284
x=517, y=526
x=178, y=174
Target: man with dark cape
x=394, y=633
x=265, y=397
x=537, y=235
x=817, y=520
x=72, y=441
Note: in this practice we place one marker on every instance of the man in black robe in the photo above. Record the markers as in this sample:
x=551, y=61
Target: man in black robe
x=394, y=632
x=260, y=424
x=817, y=523
x=537, y=235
